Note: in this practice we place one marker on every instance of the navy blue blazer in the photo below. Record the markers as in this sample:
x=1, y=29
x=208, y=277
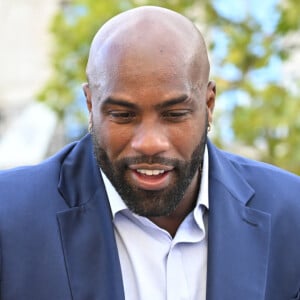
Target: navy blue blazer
x=57, y=240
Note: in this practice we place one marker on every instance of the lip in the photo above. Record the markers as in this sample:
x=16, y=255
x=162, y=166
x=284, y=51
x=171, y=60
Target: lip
x=150, y=182
x=151, y=167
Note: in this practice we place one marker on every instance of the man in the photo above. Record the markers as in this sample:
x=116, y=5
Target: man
x=157, y=212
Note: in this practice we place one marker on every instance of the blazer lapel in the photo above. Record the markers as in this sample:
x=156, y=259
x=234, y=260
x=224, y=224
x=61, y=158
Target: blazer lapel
x=238, y=236
x=86, y=229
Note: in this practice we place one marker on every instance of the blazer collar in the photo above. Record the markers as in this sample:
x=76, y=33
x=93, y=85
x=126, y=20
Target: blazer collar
x=238, y=235
x=86, y=229
x=80, y=176
x=226, y=172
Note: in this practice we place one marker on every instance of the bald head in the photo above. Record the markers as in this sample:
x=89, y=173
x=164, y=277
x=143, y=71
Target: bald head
x=153, y=38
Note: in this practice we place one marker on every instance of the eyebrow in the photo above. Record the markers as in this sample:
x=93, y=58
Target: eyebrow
x=165, y=104
x=113, y=101
x=173, y=101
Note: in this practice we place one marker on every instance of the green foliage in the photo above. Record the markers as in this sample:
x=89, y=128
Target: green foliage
x=274, y=126
x=263, y=112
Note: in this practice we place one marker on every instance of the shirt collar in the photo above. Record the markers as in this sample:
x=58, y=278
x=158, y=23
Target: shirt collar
x=203, y=191
x=118, y=205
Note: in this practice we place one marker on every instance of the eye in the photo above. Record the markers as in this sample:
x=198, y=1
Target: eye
x=176, y=115
x=120, y=116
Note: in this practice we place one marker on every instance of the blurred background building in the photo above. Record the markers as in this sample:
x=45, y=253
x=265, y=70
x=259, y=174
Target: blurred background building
x=26, y=126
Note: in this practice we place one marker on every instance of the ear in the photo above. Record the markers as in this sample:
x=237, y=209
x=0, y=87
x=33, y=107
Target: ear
x=210, y=99
x=87, y=94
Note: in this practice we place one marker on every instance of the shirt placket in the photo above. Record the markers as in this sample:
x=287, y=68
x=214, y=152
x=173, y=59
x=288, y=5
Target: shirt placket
x=177, y=288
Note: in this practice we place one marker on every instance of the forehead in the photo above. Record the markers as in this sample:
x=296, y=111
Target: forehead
x=151, y=71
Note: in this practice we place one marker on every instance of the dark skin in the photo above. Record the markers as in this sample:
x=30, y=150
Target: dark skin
x=149, y=95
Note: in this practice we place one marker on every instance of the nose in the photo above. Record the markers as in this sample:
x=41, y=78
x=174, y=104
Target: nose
x=150, y=140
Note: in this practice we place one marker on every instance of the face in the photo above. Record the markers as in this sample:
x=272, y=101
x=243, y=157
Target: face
x=149, y=131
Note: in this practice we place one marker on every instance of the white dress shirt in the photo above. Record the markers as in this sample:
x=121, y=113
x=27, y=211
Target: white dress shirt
x=154, y=265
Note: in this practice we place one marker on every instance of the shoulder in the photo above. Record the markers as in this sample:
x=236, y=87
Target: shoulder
x=271, y=186
x=276, y=191
x=223, y=162
x=24, y=173
x=26, y=184
x=262, y=173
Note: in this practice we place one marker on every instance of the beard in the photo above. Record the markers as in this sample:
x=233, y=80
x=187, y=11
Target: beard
x=149, y=203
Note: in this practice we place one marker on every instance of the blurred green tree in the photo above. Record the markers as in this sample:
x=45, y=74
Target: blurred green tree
x=256, y=109
x=261, y=105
